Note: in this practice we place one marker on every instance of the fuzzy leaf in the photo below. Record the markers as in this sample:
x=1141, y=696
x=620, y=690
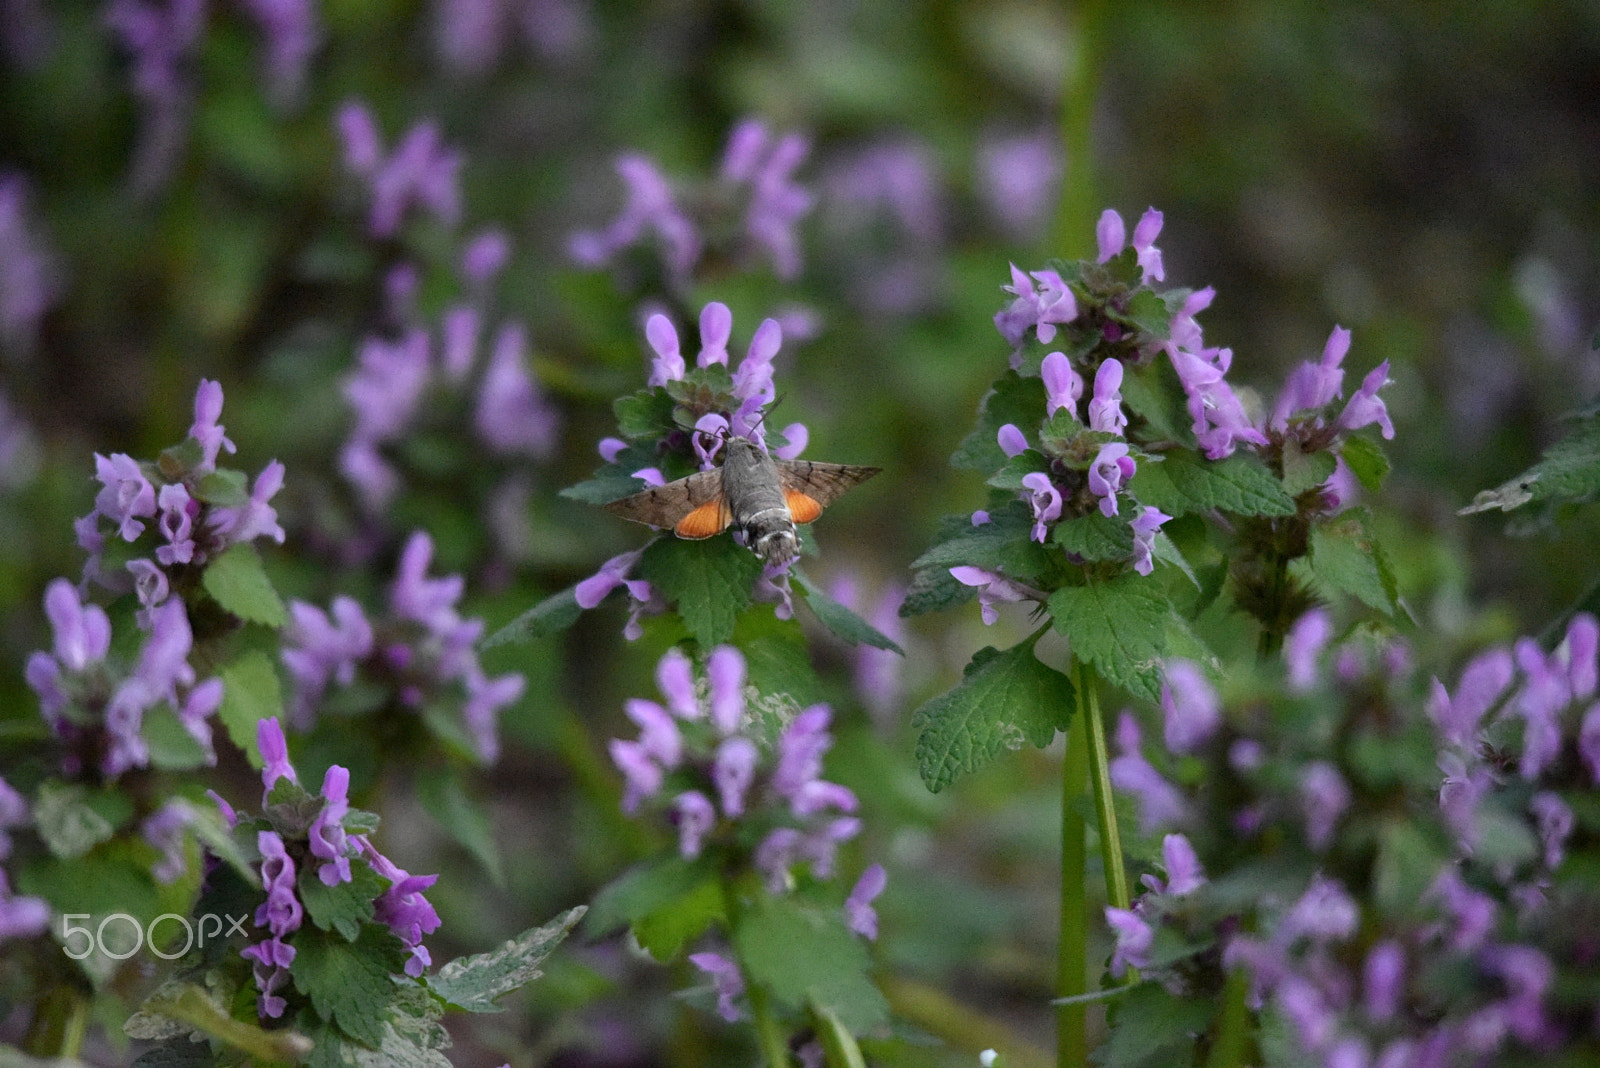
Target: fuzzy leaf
x=342, y=907
x=1153, y=1029
x=645, y=414
x=1346, y=559
x=709, y=582
x=1004, y=699
x=1003, y=544
x=1305, y=470
x=237, y=581
x=349, y=983
x=934, y=589
x=552, y=615
x=646, y=888
x=1184, y=483
x=1366, y=460
x=475, y=983
x=1096, y=536
x=1119, y=627
x=806, y=956
x=1014, y=399
x=1569, y=470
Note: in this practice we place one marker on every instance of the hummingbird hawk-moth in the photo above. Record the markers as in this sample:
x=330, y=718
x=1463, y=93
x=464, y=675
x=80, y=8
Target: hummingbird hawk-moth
x=758, y=496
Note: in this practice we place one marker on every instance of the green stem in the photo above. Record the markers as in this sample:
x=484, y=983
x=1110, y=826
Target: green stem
x=769, y=1035
x=1105, y=809
x=1072, y=961
x=1228, y=1051
x=1078, y=207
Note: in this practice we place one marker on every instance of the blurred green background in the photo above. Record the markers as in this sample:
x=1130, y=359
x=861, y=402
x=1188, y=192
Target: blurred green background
x=1421, y=173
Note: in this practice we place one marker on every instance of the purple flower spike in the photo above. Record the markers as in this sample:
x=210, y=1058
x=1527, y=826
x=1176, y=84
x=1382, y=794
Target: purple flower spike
x=1160, y=803
x=1324, y=796
x=1110, y=234
x=1365, y=407
x=1105, y=408
x=329, y=842
x=859, y=914
x=1045, y=500
x=1192, y=710
x=513, y=417
x=1063, y=386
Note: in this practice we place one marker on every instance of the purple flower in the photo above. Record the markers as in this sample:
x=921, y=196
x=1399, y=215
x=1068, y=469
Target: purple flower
x=485, y=256
x=420, y=172
x=1471, y=915
x=1220, y=422
x=1589, y=741
x=206, y=430
x=1324, y=913
x=290, y=28
x=642, y=774
x=695, y=816
x=658, y=732
x=13, y=813
x=1105, y=408
x=1313, y=385
x=29, y=282
x=1192, y=710
x=329, y=842
x=1554, y=819
x=776, y=202
x=1184, y=873
x=993, y=589
x=733, y=771
x=1160, y=803
x=726, y=978
x=82, y=632
x=513, y=416
x=1063, y=386
x=274, y=756
x=126, y=495
x=1302, y=646
x=675, y=680
x=1145, y=525
x=1383, y=981
x=1018, y=177
x=1110, y=234
x=176, y=523
x=1544, y=694
x=859, y=914
x=650, y=208
x=255, y=518
x=1134, y=939
x=800, y=750
x=1045, y=500
x=1011, y=441
x=1578, y=651
x=1324, y=796
x=1365, y=407
x=725, y=672
x=320, y=648
x=1483, y=680
x=281, y=912
x=21, y=917
x=164, y=829
x=667, y=364
x=613, y=573
x=1040, y=310
x=1111, y=468
x=403, y=908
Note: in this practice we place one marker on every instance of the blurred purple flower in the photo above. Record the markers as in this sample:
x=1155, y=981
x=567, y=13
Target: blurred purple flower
x=1544, y=694
x=1184, y=873
x=695, y=816
x=1483, y=680
x=725, y=673
x=420, y=173
x=1193, y=712
x=1383, y=981
x=1324, y=797
x=1160, y=803
x=777, y=203
x=320, y=648
x=164, y=829
x=1471, y=914
x=1302, y=646
x=21, y=917
x=859, y=914
x=1554, y=820
x=1018, y=177
x=650, y=208
x=1324, y=913
x=1134, y=937
x=160, y=36
x=13, y=813
x=1589, y=741
x=513, y=416
x=733, y=771
x=29, y=271
x=726, y=978
x=275, y=763
x=290, y=29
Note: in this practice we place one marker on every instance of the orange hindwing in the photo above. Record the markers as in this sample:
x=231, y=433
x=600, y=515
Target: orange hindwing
x=803, y=507
x=709, y=518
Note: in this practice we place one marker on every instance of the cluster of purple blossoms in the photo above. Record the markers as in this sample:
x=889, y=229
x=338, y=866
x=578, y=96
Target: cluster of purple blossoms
x=192, y=509
x=754, y=198
x=706, y=756
x=21, y=916
x=97, y=706
x=291, y=37
x=731, y=404
x=399, y=374
x=1471, y=971
x=299, y=837
x=423, y=649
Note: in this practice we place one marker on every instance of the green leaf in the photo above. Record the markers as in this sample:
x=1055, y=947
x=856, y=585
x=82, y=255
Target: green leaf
x=475, y=983
x=237, y=581
x=550, y=616
x=780, y=665
x=72, y=820
x=1014, y=399
x=1569, y=470
x=1184, y=482
x=806, y=956
x=645, y=888
x=223, y=488
x=1305, y=470
x=1119, y=627
x=842, y=621
x=645, y=414
x=1153, y=1029
x=1346, y=559
x=665, y=932
x=1151, y=391
x=1004, y=544
x=1096, y=536
x=838, y=1044
x=342, y=907
x=611, y=483
x=250, y=693
x=709, y=582
x=1366, y=460
x=1150, y=313
x=349, y=983
x=180, y=1006
x=933, y=590
x=1004, y=699
x=172, y=748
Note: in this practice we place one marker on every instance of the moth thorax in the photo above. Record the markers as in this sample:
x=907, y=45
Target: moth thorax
x=771, y=535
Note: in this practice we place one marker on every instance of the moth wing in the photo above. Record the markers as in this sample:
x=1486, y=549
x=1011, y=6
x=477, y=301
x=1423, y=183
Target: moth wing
x=709, y=518
x=669, y=505
x=803, y=508
x=821, y=483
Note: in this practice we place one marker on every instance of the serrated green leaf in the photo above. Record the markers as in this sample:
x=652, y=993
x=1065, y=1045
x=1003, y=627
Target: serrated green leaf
x=1004, y=545
x=349, y=983
x=934, y=589
x=1569, y=470
x=843, y=622
x=1017, y=468
x=1013, y=399
x=708, y=581
x=1366, y=460
x=1184, y=483
x=1346, y=559
x=1148, y=311
x=237, y=581
x=250, y=693
x=1151, y=392
x=475, y=983
x=1153, y=1029
x=806, y=956
x=342, y=907
x=645, y=414
x=1119, y=627
x=665, y=932
x=1096, y=536
x=1004, y=699
x=780, y=665
x=611, y=483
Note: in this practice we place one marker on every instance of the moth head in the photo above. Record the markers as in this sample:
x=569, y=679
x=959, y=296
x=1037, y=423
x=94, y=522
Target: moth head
x=777, y=547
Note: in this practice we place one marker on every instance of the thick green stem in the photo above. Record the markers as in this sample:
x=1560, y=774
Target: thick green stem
x=1233, y=1025
x=1072, y=961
